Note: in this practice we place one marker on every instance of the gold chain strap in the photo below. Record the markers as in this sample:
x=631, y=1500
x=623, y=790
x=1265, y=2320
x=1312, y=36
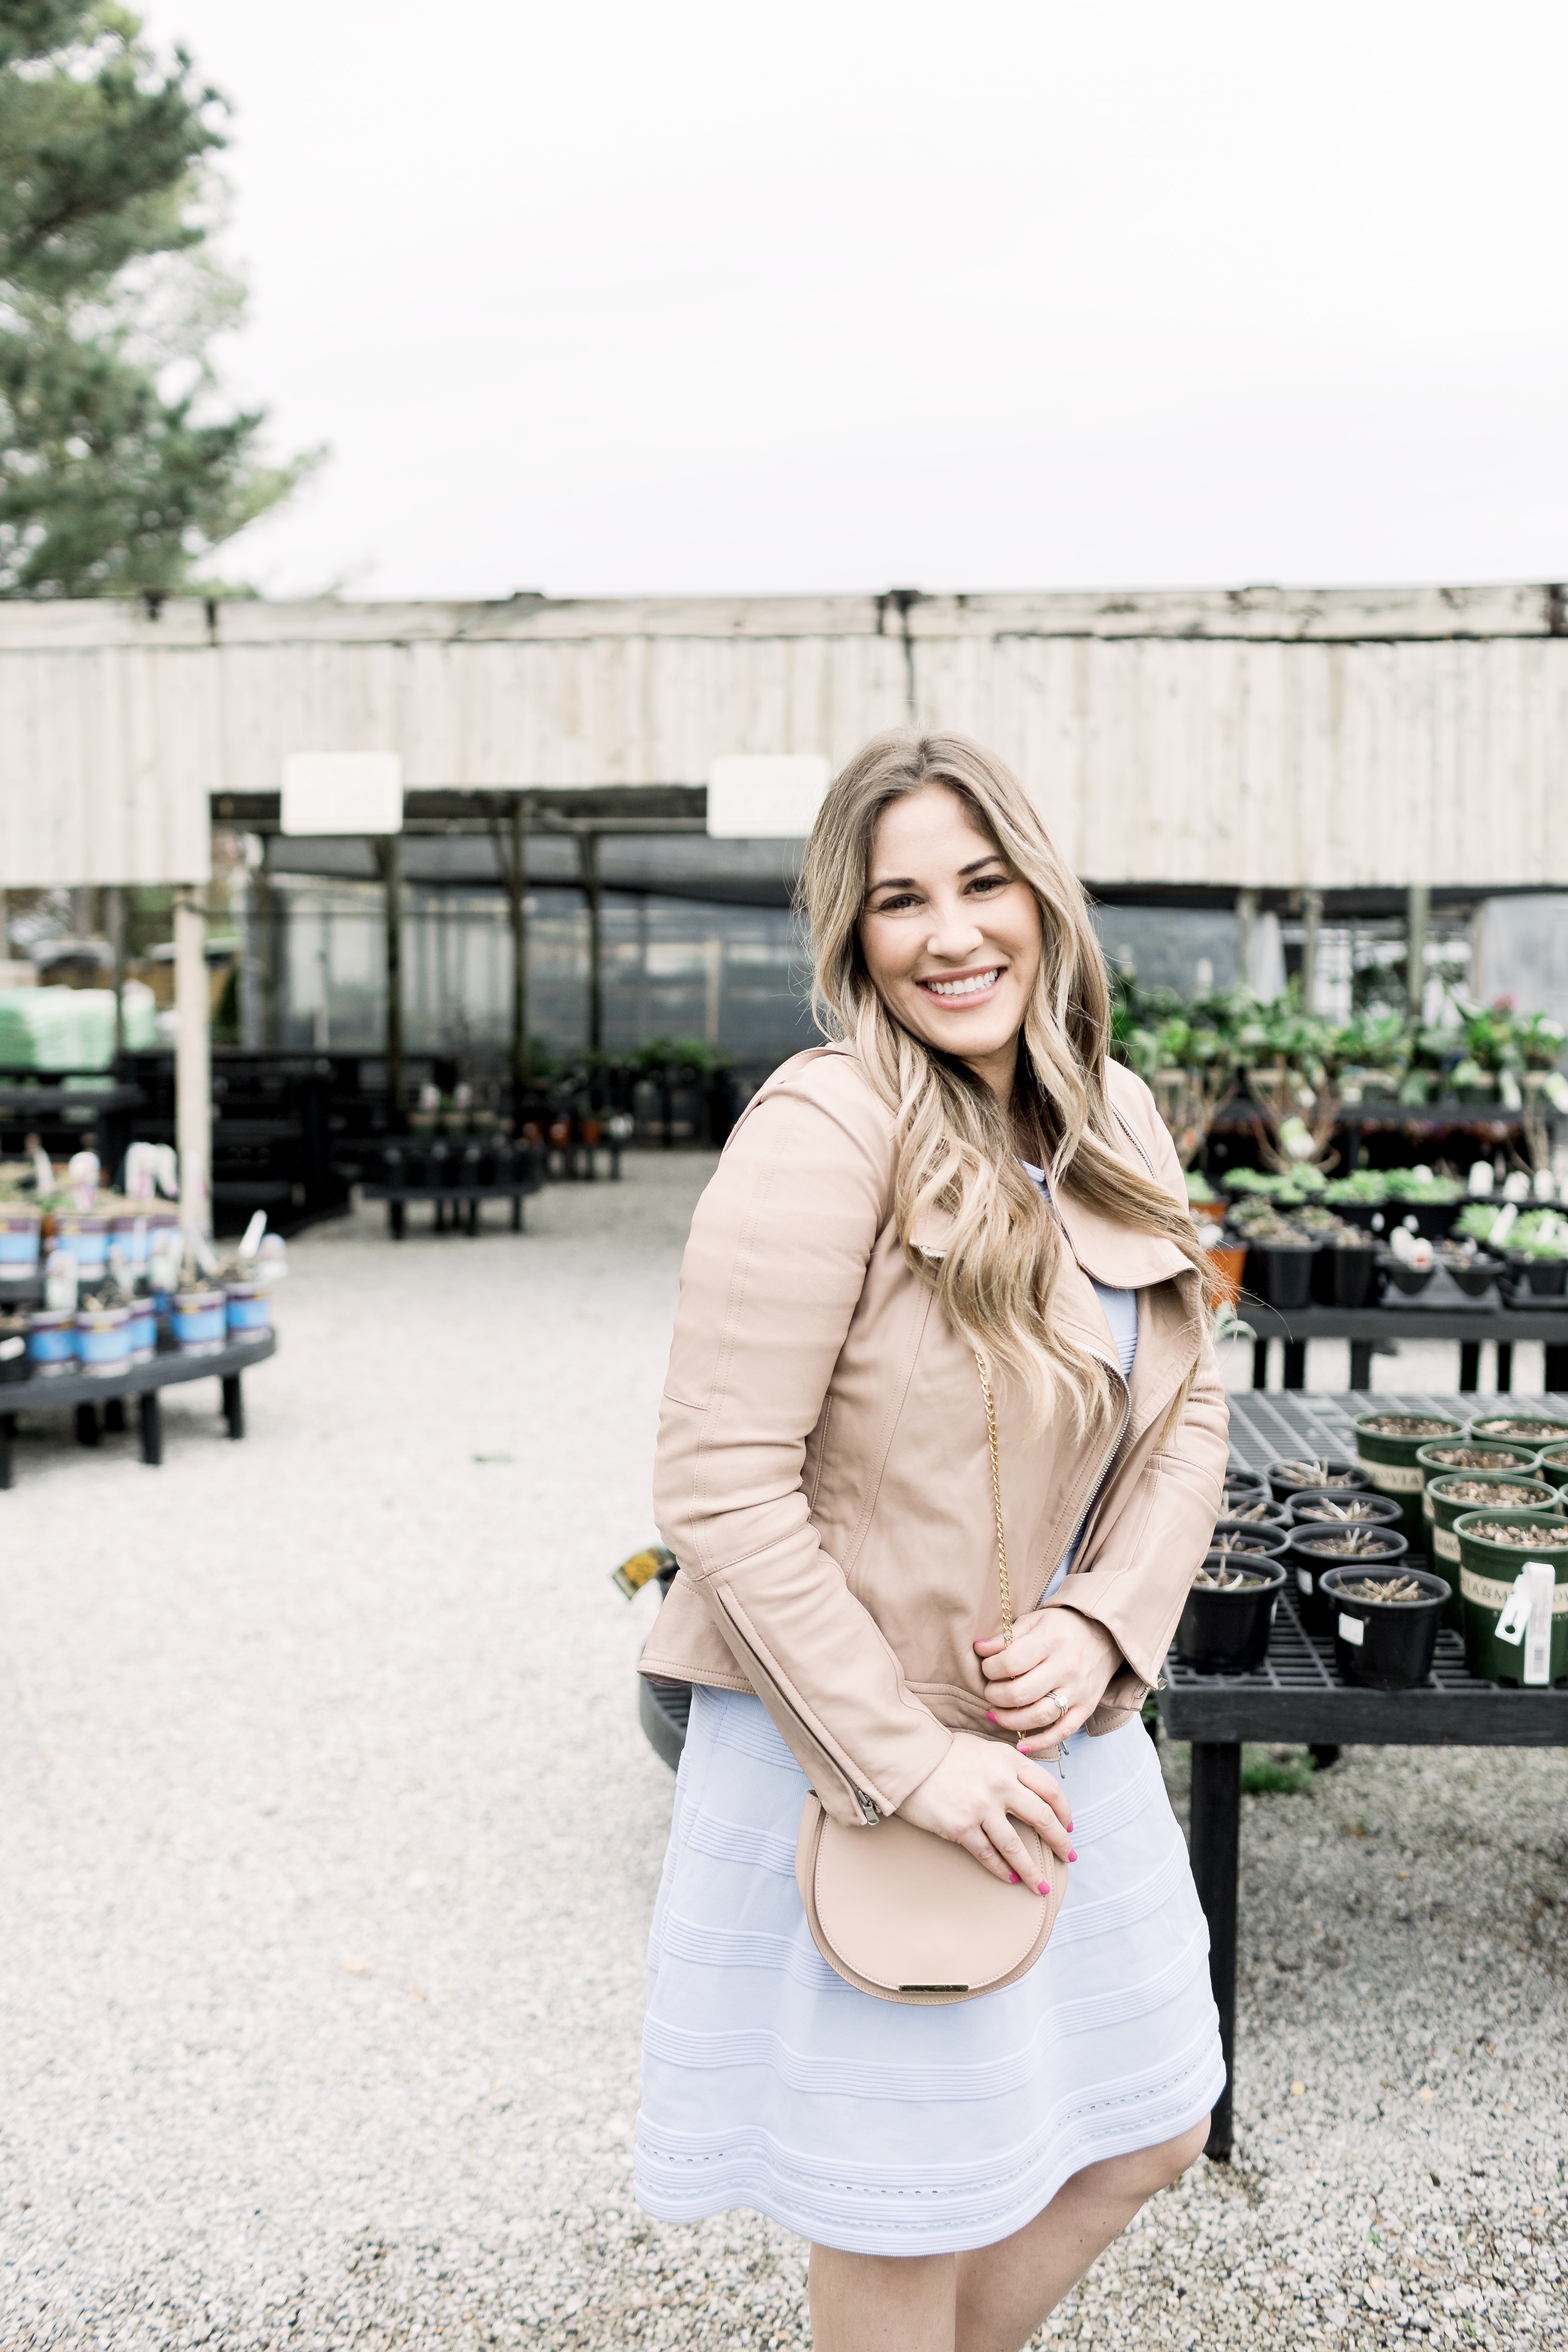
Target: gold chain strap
x=996, y=1501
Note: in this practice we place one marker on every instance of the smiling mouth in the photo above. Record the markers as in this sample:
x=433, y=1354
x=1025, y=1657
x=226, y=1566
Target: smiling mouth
x=964, y=988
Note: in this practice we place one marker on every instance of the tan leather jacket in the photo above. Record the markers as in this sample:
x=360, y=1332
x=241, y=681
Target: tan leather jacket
x=824, y=1475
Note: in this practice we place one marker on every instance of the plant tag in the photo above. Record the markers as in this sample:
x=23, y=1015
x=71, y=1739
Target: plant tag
x=1304, y=1582
x=1528, y=1618
x=641, y=1569
x=1351, y=1630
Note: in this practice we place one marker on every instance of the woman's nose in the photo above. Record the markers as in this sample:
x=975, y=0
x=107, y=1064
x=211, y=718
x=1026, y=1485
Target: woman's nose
x=955, y=934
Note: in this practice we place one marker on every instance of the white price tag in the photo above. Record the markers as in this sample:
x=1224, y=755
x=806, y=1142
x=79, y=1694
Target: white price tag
x=1351, y=1630
x=1304, y=1582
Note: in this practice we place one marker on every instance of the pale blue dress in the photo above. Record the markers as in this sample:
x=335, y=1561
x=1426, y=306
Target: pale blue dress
x=883, y=2129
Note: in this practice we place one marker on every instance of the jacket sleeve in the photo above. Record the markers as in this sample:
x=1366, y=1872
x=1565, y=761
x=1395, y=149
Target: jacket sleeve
x=772, y=1277
x=1137, y=1580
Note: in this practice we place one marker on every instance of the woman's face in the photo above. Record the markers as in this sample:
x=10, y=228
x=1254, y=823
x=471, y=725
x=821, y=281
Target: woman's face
x=951, y=936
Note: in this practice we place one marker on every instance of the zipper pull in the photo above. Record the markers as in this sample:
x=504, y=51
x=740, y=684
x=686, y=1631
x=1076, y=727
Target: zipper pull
x=873, y=1818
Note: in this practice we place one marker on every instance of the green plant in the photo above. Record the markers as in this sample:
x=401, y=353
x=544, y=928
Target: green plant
x=1277, y=1771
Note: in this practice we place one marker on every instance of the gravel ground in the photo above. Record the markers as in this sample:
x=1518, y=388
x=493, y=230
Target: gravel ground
x=330, y=1841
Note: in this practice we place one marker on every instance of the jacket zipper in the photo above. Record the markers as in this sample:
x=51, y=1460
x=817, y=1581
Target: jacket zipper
x=868, y=1813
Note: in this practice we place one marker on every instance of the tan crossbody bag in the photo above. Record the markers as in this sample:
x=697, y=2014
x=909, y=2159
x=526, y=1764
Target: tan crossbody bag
x=907, y=1915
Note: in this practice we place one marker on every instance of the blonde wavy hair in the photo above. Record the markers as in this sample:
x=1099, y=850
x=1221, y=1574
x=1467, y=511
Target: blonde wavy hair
x=957, y=1150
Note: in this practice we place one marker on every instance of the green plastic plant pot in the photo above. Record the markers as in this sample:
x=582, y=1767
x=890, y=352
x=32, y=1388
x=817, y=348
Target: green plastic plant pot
x=1552, y=1464
x=1532, y=1425
x=1487, y=1570
x=1386, y=1445
x=1445, y=1501
x=1443, y=1459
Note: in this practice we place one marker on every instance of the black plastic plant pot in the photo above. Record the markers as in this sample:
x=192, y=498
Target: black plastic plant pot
x=1327, y=1476
x=1251, y=1506
x=1284, y=1273
x=1410, y=1281
x=1324, y=1508
x=1543, y=1277
x=1384, y=1644
x=1248, y=1540
x=1227, y=1632
x=1343, y=1278
x=1475, y=1275
x=1314, y=1551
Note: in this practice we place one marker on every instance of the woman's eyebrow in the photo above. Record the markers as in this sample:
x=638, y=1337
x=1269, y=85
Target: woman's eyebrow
x=907, y=882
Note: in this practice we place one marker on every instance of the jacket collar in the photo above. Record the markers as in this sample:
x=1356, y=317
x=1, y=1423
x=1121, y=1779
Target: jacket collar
x=1119, y=1255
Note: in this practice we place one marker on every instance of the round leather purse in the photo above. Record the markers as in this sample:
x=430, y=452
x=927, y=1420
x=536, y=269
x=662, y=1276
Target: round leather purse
x=907, y=1915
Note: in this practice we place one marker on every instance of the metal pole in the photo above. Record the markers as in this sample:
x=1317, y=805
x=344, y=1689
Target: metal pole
x=517, y=906
x=1246, y=919
x=116, y=911
x=1215, y=1842
x=588, y=857
x=1417, y=922
x=1312, y=923
x=193, y=1062
x=389, y=857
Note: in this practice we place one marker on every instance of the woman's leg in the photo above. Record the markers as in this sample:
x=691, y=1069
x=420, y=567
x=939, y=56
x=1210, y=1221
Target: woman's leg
x=882, y=2303
x=1005, y=2291
x=993, y=2299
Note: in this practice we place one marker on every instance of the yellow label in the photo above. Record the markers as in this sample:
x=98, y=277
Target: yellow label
x=1491, y=1593
x=1444, y=1543
x=642, y=1567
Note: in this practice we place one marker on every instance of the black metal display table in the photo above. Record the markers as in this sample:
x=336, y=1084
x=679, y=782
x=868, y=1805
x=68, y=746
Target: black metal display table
x=1441, y=1312
x=85, y=1393
x=1297, y=1695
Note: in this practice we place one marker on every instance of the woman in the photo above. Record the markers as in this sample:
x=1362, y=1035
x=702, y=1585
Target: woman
x=963, y=1170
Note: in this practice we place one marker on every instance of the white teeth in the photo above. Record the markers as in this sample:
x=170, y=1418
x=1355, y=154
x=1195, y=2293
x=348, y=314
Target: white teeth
x=982, y=980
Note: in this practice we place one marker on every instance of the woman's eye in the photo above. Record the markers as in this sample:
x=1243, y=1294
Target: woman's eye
x=989, y=882
x=894, y=906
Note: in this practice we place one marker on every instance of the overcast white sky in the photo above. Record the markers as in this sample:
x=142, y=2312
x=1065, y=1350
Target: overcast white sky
x=596, y=296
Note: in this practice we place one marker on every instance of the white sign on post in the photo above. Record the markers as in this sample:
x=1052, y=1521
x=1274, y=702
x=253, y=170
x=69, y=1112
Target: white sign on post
x=765, y=796
x=342, y=792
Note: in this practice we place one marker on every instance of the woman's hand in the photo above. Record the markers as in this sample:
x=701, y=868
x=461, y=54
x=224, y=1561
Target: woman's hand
x=1054, y=1651
x=974, y=1788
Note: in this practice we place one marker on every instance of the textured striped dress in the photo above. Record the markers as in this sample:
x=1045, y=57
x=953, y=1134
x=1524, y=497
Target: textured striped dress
x=883, y=2129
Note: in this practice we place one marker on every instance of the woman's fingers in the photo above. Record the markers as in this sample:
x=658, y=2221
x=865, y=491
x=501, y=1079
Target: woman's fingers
x=1028, y=1687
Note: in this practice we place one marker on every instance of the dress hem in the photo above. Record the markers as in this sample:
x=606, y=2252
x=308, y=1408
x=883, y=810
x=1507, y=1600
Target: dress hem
x=932, y=2238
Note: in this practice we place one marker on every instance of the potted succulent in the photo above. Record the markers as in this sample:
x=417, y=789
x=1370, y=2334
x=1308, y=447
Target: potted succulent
x=1251, y=1506
x=1437, y=1461
x=1312, y=1506
x=1533, y=1425
x=1250, y=1538
x=1553, y=1464
x=1409, y=1262
x=1345, y=1265
x=1470, y=1269
x=1495, y=1548
x=1385, y=1624
x=1538, y=1253
x=1224, y=1624
x=1314, y=1549
x=1458, y=1491
x=1386, y=1445
x=1324, y=1474
x=1279, y=1260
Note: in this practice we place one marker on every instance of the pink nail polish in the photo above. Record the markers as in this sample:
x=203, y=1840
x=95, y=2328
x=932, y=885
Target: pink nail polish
x=989, y=1716
x=1044, y=1889
x=1071, y=1854
x=1014, y=1876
